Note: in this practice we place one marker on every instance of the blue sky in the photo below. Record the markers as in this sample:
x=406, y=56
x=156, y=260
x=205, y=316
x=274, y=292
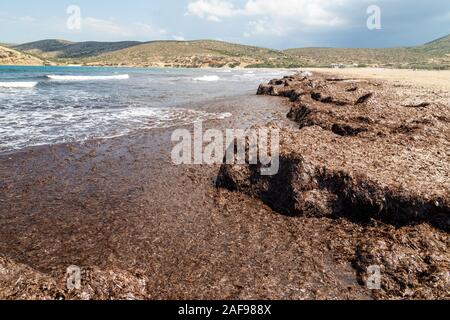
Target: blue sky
x=268, y=23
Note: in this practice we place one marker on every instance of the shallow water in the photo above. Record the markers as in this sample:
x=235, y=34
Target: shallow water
x=46, y=105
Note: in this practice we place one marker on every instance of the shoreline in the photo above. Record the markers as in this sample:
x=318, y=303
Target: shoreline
x=312, y=68
x=143, y=228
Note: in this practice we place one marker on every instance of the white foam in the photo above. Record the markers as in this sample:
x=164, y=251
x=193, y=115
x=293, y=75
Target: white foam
x=88, y=78
x=306, y=74
x=208, y=78
x=18, y=84
x=224, y=115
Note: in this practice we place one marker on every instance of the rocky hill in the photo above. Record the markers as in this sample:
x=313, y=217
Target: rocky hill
x=202, y=53
x=413, y=58
x=12, y=57
x=433, y=55
x=210, y=53
x=439, y=46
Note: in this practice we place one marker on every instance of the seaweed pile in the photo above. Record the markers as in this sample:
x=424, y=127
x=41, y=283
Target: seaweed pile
x=364, y=151
x=19, y=281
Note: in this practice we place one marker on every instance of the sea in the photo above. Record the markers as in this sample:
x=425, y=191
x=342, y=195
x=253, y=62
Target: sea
x=50, y=105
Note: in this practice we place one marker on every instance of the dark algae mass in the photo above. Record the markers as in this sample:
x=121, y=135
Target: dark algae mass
x=372, y=154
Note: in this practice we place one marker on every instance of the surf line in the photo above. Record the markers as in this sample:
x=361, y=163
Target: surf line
x=18, y=84
x=87, y=78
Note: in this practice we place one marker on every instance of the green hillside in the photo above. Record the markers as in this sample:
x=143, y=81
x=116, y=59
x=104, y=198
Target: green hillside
x=391, y=57
x=439, y=46
x=433, y=55
x=201, y=53
x=62, y=49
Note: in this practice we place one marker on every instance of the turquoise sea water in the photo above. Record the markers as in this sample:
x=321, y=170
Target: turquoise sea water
x=45, y=105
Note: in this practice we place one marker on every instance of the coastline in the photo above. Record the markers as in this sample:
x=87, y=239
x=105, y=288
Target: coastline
x=349, y=71
x=143, y=228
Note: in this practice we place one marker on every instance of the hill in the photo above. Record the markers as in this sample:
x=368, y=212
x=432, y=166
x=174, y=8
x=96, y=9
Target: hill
x=207, y=53
x=44, y=47
x=62, y=49
x=433, y=55
x=439, y=46
x=200, y=53
x=211, y=53
x=414, y=58
x=12, y=57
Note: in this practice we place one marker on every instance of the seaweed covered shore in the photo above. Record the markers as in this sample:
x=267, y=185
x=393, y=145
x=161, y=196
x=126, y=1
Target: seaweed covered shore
x=363, y=181
x=369, y=152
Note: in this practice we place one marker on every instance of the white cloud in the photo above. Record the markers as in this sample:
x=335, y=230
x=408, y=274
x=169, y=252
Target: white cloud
x=274, y=16
x=265, y=27
x=212, y=10
x=113, y=29
x=178, y=38
x=313, y=13
x=103, y=26
x=140, y=28
x=5, y=17
x=443, y=17
x=26, y=19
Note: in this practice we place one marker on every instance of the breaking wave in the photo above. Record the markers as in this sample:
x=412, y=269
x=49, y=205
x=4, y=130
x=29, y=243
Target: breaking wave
x=27, y=84
x=87, y=78
x=207, y=78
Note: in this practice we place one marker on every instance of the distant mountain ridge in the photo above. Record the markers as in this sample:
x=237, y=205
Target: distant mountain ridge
x=212, y=53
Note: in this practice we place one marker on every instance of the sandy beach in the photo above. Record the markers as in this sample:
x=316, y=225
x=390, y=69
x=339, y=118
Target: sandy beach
x=422, y=78
x=143, y=228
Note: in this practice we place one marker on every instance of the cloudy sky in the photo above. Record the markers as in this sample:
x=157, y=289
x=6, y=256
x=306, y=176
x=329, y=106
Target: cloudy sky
x=268, y=23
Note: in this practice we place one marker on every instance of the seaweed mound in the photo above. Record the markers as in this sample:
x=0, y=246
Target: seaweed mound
x=362, y=150
x=376, y=155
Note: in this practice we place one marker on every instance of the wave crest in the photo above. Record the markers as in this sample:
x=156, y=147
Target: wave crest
x=27, y=84
x=88, y=78
x=208, y=78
